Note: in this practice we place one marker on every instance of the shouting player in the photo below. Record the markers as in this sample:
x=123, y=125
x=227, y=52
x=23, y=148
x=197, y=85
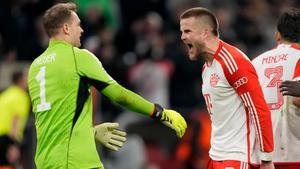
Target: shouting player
x=241, y=122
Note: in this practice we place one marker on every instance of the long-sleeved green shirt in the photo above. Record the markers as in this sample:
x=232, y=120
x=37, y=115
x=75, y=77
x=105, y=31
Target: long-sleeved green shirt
x=59, y=83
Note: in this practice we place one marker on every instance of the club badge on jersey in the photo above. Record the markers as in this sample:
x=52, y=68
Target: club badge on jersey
x=214, y=79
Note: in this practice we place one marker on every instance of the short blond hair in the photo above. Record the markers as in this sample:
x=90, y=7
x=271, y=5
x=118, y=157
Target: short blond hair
x=199, y=12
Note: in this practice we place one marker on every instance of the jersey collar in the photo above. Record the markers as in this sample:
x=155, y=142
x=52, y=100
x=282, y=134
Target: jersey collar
x=295, y=46
x=53, y=42
x=221, y=44
x=291, y=45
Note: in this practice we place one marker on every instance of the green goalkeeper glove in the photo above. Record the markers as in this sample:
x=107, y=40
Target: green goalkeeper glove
x=108, y=135
x=171, y=119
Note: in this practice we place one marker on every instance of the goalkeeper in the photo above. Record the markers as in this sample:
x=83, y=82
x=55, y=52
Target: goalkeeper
x=59, y=82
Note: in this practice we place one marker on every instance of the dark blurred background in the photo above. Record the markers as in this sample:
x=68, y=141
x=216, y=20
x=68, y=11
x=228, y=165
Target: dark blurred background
x=138, y=43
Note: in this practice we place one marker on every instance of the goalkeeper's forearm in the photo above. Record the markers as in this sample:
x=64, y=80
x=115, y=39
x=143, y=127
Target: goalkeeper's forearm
x=128, y=99
x=136, y=103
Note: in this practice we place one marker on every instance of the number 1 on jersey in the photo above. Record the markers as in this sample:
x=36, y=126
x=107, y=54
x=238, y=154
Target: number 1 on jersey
x=40, y=77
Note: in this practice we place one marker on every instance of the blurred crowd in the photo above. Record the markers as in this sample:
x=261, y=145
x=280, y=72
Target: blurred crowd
x=138, y=43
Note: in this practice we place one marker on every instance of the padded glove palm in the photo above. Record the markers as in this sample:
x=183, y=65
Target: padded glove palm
x=175, y=121
x=108, y=135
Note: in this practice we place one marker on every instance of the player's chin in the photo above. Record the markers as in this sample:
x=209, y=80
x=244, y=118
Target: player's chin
x=192, y=56
x=193, y=59
x=78, y=44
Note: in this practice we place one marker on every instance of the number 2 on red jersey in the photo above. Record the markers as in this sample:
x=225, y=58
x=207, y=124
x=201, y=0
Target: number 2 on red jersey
x=275, y=74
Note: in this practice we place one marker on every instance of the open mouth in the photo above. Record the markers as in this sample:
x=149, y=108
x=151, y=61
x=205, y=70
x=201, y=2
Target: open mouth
x=189, y=45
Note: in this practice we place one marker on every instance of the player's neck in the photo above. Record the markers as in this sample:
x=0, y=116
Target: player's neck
x=285, y=42
x=61, y=38
x=212, y=47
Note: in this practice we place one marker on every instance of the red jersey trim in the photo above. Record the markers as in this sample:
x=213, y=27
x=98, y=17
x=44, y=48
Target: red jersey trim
x=221, y=44
x=287, y=163
x=204, y=67
x=228, y=60
x=248, y=136
x=219, y=48
x=251, y=108
x=297, y=70
x=295, y=46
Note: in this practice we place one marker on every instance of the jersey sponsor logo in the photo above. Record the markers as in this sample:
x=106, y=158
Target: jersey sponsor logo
x=214, y=79
x=242, y=81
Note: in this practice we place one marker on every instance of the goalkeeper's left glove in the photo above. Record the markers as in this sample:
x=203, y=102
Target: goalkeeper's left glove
x=108, y=135
x=171, y=119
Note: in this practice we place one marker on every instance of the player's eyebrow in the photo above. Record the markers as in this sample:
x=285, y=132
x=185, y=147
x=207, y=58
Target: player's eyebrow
x=186, y=30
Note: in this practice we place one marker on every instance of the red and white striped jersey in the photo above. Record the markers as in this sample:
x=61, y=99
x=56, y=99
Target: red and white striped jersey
x=241, y=121
x=273, y=67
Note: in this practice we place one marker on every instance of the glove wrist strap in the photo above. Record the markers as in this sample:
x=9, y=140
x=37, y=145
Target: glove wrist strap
x=157, y=113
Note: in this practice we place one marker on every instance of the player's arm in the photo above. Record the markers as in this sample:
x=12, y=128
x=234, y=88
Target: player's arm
x=15, y=126
x=253, y=99
x=90, y=68
x=20, y=107
x=136, y=103
x=244, y=80
x=296, y=77
x=292, y=88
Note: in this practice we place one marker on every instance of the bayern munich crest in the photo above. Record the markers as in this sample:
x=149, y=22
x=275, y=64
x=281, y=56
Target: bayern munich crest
x=213, y=80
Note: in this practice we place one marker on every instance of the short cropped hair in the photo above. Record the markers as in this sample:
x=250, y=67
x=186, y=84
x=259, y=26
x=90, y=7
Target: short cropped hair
x=55, y=16
x=288, y=25
x=200, y=12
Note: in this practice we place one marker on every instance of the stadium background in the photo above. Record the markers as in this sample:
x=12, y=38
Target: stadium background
x=138, y=42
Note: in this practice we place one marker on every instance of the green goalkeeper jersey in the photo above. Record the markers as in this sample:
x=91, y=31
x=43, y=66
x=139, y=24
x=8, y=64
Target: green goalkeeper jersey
x=59, y=83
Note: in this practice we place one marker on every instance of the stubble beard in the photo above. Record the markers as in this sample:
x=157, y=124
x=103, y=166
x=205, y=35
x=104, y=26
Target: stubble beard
x=200, y=53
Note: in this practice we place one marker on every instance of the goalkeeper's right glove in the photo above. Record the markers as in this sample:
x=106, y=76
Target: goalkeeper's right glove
x=171, y=119
x=108, y=135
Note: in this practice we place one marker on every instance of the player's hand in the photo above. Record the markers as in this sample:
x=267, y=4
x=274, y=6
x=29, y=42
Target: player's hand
x=267, y=165
x=109, y=136
x=291, y=88
x=174, y=120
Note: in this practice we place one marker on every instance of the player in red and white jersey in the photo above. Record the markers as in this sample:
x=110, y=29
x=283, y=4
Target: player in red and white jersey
x=241, y=122
x=273, y=67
